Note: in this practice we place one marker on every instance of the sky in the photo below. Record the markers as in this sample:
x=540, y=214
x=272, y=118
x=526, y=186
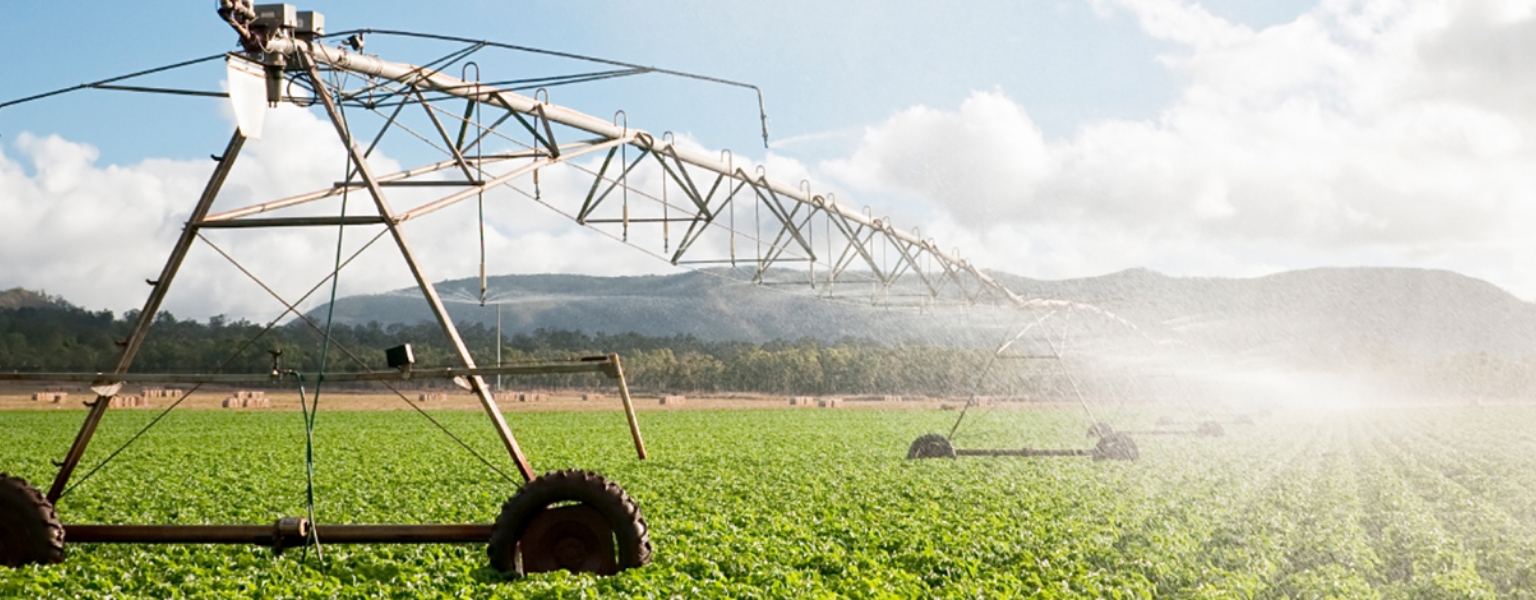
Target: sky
x=1051, y=139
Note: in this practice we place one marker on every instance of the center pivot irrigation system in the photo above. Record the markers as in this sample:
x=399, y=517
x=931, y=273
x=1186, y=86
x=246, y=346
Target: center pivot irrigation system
x=1031, y=365
x=687, y=207
x=1030, y=362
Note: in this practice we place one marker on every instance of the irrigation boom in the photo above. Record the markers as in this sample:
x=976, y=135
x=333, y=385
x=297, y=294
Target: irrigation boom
x=571, y=520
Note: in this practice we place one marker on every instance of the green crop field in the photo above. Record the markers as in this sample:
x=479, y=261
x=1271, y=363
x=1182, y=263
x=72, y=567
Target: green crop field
x=1389, y=503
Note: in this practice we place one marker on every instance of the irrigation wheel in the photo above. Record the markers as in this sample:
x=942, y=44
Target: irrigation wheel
x=1100, y=429
x=1116, y=446
x=1210, y=429
x=930, y=445
x=30, y=532
x=577, y=521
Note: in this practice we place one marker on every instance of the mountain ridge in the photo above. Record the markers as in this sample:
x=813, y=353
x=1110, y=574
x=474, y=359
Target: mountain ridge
x=1330, y=312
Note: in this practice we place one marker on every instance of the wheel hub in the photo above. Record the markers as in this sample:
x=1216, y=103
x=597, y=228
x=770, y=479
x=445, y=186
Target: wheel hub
x=575, y=538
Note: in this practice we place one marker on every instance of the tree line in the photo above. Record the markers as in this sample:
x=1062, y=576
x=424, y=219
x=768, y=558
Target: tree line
x=54, y=336
x=63, y=338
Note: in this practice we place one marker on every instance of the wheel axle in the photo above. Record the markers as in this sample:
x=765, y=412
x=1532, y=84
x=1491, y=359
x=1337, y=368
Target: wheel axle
x=288, y=532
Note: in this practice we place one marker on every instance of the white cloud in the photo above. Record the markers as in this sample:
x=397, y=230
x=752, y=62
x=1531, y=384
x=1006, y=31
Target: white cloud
x=94, y=233
x=1363, y=132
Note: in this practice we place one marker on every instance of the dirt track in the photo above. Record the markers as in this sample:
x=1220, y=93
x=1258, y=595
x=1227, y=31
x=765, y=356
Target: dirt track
x=16, y=398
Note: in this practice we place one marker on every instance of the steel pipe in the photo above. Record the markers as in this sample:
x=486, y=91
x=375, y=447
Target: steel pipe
x=596, y=364
x=1025, y=452
x=269, y=535
x=261, y=535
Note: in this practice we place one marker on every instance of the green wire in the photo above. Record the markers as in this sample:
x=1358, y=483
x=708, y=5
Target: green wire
x=309, y=463
x=325, y=351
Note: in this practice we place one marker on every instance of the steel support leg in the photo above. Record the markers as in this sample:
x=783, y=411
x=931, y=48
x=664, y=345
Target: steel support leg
x=629, y=406
x=151, y=308
x=477, y=383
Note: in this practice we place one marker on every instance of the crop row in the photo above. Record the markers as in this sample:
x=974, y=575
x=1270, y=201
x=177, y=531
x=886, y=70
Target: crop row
x=776, y=504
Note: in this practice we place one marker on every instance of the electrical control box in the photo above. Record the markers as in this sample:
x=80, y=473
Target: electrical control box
x=276, y=16
x=400, y=357
x=310, y=23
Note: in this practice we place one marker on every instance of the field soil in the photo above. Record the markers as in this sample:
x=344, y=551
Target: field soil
x=288, y=400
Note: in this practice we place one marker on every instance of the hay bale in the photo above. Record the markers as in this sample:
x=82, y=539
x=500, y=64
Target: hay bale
x=126, y=402
x=673, y=400
x=591, y=397
x=891, y=398
x=830, y=403
x=231, y=402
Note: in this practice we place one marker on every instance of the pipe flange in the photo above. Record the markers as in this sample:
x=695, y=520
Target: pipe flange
x=289, y=532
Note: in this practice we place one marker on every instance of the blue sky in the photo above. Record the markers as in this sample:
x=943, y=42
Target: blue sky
x=1051, y=138
x=824, y=67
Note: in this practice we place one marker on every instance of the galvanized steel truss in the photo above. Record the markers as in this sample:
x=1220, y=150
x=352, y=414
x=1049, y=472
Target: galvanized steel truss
x=701, y=210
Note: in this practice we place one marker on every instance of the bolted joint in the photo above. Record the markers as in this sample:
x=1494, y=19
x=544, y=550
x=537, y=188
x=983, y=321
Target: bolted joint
x=289, y=532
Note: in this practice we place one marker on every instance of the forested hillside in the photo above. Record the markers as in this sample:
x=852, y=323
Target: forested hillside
x=1403, y=350
x=61, y=337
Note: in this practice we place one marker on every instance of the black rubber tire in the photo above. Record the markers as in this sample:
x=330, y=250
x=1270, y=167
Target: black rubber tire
x=1210, y=429
x=1100, y=429
x=1116, y=446
x=631, y=534
x=931, y=445
x=30, y=533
